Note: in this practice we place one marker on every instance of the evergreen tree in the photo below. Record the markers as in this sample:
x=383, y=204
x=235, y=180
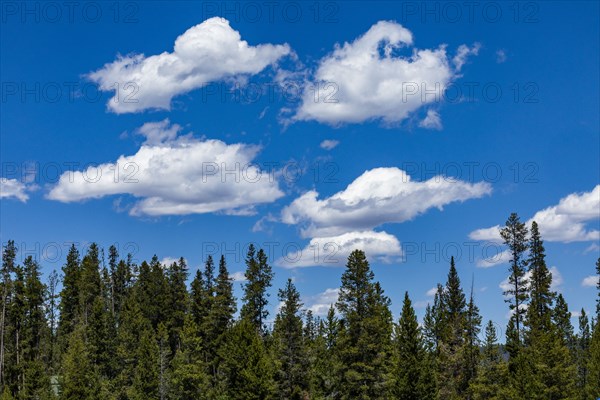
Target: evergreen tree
x=492, y=375
x=177, y=301
x=9, y=255
x=472, y=343
x=452, y=337
x=290, y=346
x=539, y=311
x=188, y=380
x=247, y=368
x=514, y=235
x=69, y=296
x=79, y=378
x=35, y=335
x=364, y=338
x=258, y=276
x=410, y=354
x=583, y=354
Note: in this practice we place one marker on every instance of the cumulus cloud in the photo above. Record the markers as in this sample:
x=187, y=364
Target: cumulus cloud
x=432, y=121
x=175, y=174
x=493, y=259
x=334, y=250
x=238, y=276
x=501, y=56
x=329, y=144
x=319, y=304
x=208, y=52
x=557, y=280
x=590, y=281
x=431, y=292
x=378, y=196
x=565, y=222
x=368, y=79
x=12, y=188
x=463, y=54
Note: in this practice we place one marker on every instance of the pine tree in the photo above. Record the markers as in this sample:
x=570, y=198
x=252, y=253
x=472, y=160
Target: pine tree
x=290, y=346
x=514, y=235
x=583, y=354
x=188, y=380
x=35, y=334
x=247, y=368
x=79, y=378
x=177, y=302
x=145, y=385
x=492, y=375
x=410, y=355
x=452, y=337
x=539, y=311
x=259, y=276
x=471, y=344
x=9, y=255
x=365, y=334
x=561, y=317
x=69, y=297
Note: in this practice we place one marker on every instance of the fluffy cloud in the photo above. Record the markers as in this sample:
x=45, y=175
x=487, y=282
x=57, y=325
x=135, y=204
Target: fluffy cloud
x=368, y=78
x=557, y=280
x=12, y=188
x=500, y=257
x=378, y=196
x=334, y=250
x=320, y=303
x=564, y=222
x=208, y=52
x=590, y=281
x=463, y=54
x=432, y=121
x=238, y=276
x=176, y=175
x=329, y=144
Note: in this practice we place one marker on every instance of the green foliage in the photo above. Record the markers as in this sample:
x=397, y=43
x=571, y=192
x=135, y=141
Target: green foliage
x=130, y=333
x=259, y=276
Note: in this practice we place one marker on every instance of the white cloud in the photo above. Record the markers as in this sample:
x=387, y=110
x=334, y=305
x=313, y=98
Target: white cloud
x=208, y=52
x=368, y=80
x=329, y=144
x=557, y=280
x=334, y=250
x=432, y=121
x=168, y=261
x=319, y=304
x=564, y=222
x=238, y=276
x=12, y=188
x=501, y=56
x=378, y=196
x=176, y=175
x=590, y=281
x=493, y=259
x=463, y=54
x=431, y=292
x=594, y=247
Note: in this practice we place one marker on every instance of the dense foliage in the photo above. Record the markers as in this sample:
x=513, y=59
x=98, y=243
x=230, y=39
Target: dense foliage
x=124, y=331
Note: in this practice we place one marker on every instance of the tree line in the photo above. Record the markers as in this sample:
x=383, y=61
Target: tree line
x=128, y=332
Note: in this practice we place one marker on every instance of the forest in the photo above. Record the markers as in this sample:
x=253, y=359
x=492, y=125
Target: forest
x=151, y=331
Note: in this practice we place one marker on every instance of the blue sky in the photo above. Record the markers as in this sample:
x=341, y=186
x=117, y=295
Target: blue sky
x=510, y=122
